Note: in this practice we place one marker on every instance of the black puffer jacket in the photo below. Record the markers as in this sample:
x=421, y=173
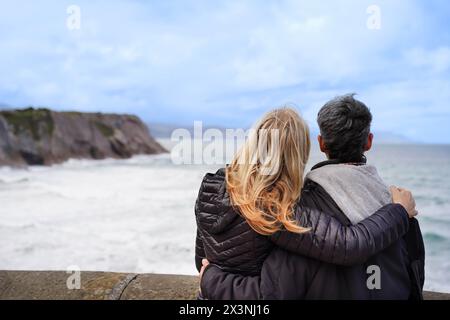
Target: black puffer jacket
x=292, y=276
x=225, y=238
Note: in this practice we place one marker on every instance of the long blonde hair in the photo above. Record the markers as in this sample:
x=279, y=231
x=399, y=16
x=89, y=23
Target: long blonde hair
x=265, y=178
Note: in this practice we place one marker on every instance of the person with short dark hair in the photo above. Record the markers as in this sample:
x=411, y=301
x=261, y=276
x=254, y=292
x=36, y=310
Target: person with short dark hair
x=344, y=124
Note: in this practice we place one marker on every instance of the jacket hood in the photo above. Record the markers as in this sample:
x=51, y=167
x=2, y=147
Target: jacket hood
x=358, y=190
x=214, y=212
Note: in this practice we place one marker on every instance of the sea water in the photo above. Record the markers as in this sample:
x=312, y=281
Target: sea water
x=137, y=215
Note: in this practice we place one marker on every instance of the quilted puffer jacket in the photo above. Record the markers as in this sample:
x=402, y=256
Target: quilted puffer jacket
x=225, y=238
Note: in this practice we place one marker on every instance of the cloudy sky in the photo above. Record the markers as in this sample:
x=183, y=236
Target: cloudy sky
x=226, y=62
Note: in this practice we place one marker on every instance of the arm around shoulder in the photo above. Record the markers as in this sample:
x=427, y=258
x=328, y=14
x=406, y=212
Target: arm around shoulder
x=332, y=242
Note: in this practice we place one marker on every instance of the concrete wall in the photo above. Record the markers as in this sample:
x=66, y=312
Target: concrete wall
x=51, y=285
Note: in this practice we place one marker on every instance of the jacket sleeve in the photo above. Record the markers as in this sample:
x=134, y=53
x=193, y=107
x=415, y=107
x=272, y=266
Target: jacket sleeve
x=416, y=255
x=199, y=251
x=332, y=242
x=199, y=248
x=217, y=284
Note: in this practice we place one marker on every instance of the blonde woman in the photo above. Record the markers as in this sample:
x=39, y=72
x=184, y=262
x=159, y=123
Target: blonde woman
x=256, y=203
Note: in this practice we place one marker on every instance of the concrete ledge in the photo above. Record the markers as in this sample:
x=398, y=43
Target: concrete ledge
x=51, y=285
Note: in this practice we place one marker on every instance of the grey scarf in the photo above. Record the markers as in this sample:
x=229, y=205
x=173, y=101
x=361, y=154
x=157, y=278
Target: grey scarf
x=357, y=190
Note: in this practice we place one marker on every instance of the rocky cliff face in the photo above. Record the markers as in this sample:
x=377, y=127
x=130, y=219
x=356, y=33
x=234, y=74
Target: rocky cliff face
x=43, y=137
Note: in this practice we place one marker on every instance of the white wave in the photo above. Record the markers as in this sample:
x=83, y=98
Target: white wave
x=136, y=215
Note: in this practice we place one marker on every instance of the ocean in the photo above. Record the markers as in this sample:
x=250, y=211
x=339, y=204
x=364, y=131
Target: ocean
x=136, y=215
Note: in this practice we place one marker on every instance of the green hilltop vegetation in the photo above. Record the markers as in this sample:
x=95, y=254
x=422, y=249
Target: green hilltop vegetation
x=39, y=121
x=31, y=120
x=106, y=130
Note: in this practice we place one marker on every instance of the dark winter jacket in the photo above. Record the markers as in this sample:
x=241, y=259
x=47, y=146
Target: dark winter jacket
x=225, y=238
x=331, y=260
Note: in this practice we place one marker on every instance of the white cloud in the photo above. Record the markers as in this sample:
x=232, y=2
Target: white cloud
x=436, y=60
x=222, y=61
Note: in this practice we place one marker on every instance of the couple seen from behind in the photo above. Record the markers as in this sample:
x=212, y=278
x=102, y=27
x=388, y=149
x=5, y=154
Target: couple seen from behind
x=265, y=230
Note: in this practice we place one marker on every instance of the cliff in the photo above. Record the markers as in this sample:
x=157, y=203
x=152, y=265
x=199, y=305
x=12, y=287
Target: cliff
x=50, y=285
x=43, y=137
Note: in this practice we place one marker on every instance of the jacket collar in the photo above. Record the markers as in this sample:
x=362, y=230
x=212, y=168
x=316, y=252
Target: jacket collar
x=336, y=161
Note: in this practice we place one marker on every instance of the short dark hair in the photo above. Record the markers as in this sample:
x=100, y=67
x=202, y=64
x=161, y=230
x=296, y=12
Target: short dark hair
x=344, y=124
